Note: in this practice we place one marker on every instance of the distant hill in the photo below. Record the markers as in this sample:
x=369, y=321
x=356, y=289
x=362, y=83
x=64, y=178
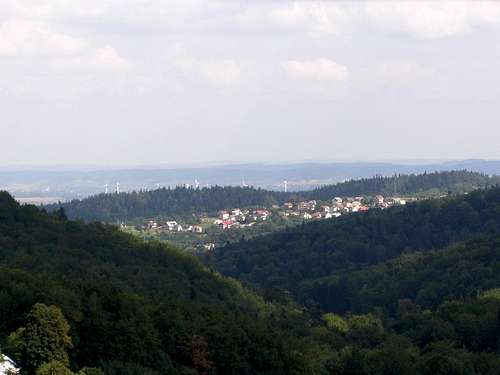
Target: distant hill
x=69, y=183
x=455, y=182
x=183, y=201
x=176, y=202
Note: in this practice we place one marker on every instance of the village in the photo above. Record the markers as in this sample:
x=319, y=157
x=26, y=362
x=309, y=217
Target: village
x=297, y=211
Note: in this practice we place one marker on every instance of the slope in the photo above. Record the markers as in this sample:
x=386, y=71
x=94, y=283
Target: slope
x=134, y=308
x=298, y=256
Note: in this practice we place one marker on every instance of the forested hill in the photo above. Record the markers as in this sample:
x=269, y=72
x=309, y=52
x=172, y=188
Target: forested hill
x=455, y=182
x=180, y=201
x=91, y=298
x=303, y=257
x=132, y=308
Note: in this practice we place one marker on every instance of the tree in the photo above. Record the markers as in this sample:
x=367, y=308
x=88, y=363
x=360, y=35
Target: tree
x=334, y=321
x=54, y=368
x=90, y=371
x=43, y=339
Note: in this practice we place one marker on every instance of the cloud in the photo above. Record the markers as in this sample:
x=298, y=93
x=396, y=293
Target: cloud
x=433, y=19
x=27, y=39
x=223, y=72
x=24, y=38
x=420, y=19
x=317, y=18
x=321, y=69
x=104, y=58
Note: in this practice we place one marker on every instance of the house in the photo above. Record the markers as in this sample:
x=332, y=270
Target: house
x=196, y=229
x=307, y=216
x=261, y=214
x=179, y=228
x=379, y=199
x=224, y=215
x=337, y=200
x=171, y=225
x=325, y=208
x=209, y=246
x=317, y=216
x=226, y=224
x=288, y=205
x=7, y=365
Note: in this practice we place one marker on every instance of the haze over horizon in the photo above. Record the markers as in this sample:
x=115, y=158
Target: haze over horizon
x=184, y=82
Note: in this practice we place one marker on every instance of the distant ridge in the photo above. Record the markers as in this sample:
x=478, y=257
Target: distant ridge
x=69, y=184
x=182, y=201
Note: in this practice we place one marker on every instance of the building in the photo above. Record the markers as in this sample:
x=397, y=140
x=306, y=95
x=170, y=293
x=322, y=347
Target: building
x=7, y=365
x=197, y=229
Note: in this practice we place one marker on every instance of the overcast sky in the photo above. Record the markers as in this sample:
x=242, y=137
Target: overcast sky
x=118, y=82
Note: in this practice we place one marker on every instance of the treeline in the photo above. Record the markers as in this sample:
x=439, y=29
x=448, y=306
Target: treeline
x=181, y=202
x=455, y=182
x=167, y=202
x=302, y=256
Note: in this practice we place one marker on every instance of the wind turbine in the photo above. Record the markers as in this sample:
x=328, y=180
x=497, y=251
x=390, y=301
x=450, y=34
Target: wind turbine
x=106, y=189
x=196, y=183
x=117, y=188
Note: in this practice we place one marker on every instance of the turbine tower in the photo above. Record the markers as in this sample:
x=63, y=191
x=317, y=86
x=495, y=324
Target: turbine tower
x=106, y=189
x=117, y=188
x=286, y=186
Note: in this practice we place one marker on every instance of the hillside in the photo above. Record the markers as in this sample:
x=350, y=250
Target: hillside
x=134, y=308
x=183, y=202
x=303, y=255
x=455, y=182
x=138, y=308
x=460, y=271
x=177, y=202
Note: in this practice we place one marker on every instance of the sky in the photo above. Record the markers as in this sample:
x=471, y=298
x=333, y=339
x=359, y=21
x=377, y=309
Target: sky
x=144, y=82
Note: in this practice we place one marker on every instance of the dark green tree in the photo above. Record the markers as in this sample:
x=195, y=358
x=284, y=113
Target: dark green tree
x=43, y=339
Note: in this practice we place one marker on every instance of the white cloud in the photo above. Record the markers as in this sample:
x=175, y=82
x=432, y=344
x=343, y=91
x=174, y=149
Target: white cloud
x=28, y=39
x=433, y=19
x=420, y=19
x=321, y=69
x=224, y=72
x=104, y=58
x=24, y=38
x=317, y=18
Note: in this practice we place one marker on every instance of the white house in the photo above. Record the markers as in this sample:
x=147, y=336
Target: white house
x=7, y=366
